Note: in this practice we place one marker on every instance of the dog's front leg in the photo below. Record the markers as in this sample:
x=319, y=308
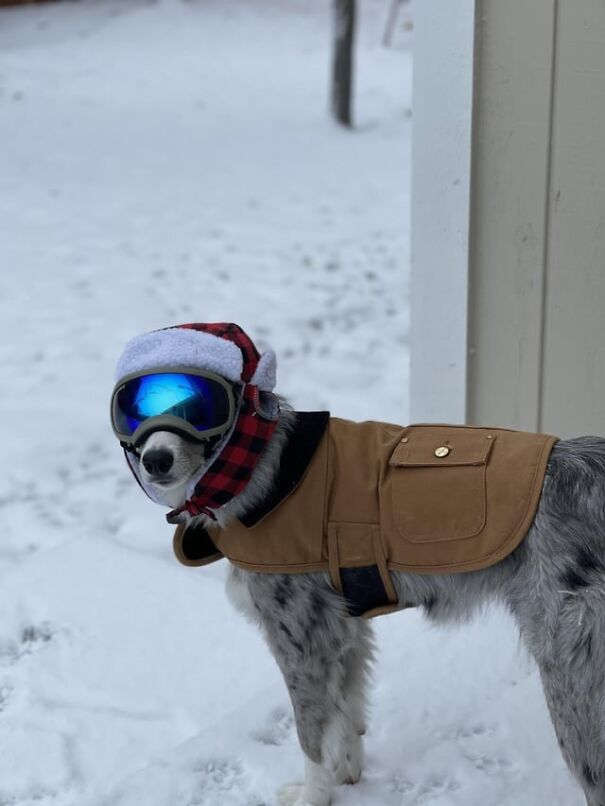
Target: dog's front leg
x=324, y=727
x=323, y=656
x=316, y=790
x=328, y=695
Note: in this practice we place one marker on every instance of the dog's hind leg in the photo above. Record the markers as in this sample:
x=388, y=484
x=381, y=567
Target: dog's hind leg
x=324, y=657
x=570, y=652
x=571, y=658
x=574, y=687
x=557, y=595
x=565, y=631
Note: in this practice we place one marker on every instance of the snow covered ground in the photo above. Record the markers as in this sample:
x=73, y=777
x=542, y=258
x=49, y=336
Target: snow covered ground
x=166, y=162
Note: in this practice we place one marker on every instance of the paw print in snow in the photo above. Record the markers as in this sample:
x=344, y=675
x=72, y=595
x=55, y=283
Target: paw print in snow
x=32, y=638
x=222, y=781
x=278, y=728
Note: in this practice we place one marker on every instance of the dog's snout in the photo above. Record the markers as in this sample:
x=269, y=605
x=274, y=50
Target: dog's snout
x=158, y=461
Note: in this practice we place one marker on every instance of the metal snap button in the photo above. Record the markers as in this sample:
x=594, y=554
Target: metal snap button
x=442, y=451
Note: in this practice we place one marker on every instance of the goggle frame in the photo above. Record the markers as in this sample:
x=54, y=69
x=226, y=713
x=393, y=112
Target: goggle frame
x=168, y=422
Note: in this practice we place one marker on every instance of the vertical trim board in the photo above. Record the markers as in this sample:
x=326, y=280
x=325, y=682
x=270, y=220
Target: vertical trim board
x=510, y=175
x=441, y=154
x=574, y=355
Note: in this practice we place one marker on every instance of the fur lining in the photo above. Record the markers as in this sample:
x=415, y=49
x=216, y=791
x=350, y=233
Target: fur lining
x=175, y=347
x=265, y=375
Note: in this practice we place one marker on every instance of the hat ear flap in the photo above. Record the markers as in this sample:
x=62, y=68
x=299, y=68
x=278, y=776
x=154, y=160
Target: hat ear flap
x=265, y=374
x=266, y=405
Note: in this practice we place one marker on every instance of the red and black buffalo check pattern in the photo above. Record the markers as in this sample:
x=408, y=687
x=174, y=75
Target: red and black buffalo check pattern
x=234, y=333
x=231, y=470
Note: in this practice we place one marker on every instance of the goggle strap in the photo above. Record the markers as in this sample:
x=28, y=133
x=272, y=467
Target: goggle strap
x=129, y=449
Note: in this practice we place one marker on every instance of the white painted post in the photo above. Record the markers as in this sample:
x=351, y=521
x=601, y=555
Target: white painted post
x=444, y=34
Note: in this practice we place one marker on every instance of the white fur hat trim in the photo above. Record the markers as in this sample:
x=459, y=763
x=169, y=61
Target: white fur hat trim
x=183, y=347
x=265, y=374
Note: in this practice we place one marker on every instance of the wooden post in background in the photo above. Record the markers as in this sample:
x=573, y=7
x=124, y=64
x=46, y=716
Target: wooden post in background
x=344, y=12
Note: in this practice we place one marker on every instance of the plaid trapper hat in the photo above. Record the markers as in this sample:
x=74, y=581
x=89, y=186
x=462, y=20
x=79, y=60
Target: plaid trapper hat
x=223, y=348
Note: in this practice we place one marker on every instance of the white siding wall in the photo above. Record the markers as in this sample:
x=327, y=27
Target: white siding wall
x=443, y=78
x=533, y=355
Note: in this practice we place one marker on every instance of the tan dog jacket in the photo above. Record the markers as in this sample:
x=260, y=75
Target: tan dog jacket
x=361, y=499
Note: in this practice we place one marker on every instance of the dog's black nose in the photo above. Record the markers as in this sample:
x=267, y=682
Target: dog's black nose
x=158, y=462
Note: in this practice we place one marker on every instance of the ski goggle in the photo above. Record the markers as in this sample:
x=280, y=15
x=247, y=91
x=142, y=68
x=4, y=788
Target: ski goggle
x=196, y=403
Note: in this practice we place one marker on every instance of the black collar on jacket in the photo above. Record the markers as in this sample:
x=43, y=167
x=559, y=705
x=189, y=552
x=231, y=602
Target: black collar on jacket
x=297, y=453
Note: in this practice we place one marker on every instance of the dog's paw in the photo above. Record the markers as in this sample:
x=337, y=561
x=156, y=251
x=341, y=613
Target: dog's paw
x=349, y=772
x=292, y=795
x=349, y=769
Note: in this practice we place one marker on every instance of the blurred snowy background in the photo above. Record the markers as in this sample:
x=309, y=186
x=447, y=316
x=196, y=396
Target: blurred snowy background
x=174, y=161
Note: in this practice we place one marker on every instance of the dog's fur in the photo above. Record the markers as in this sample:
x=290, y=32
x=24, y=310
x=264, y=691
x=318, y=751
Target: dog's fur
x=553, y=584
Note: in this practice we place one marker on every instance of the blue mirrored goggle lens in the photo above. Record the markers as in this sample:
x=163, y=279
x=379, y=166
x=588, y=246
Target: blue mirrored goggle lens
x=201, y=402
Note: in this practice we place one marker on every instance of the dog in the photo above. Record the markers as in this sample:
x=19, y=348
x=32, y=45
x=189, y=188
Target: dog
x=553, y=584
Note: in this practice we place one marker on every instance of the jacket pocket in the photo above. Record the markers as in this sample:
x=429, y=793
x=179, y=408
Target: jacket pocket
x=437, y=477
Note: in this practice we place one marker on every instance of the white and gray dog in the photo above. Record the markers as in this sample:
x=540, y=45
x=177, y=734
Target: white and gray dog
x=553, y=584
